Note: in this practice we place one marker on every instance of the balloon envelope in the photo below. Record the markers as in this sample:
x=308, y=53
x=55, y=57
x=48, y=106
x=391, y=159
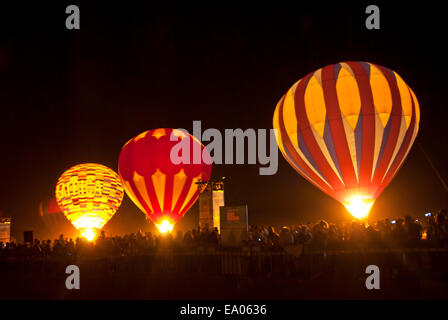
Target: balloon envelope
x=162, y=189
x=347, y=128
x=89, y=195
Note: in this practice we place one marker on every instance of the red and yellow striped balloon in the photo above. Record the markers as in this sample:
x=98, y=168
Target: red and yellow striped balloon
x=163, y=190
x=347, y=129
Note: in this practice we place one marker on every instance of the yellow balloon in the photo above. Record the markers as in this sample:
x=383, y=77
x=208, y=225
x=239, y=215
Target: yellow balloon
x=89, y=195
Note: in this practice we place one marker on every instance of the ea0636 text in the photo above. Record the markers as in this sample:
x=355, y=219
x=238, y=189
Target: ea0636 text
x=245, y=309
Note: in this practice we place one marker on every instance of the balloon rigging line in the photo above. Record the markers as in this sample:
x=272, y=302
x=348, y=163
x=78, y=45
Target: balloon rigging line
x=439, y=176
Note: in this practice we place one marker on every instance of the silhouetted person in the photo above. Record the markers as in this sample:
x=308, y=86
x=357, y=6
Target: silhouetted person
x=414, y=231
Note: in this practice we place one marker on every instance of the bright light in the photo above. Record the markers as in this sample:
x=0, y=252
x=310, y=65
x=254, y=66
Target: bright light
x=165, y=226
x=88, y=221
x=89, y=234
x=359, y=206
x=88, y=225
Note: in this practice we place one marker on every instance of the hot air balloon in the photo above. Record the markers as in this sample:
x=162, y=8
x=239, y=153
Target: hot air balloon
x=89, y=195
x=162, y=189
x=54, y=219
x=347, y=128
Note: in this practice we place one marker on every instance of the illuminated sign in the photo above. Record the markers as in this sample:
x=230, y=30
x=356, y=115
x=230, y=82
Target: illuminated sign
x=5, y=229
x=234, y=225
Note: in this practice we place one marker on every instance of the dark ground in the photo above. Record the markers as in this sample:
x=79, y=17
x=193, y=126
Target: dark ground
x=411, y=275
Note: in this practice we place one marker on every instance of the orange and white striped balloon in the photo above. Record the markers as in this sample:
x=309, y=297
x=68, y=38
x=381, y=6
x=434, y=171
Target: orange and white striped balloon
x=347, y=128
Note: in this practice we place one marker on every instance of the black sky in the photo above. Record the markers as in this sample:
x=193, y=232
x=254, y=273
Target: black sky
x=75, y=96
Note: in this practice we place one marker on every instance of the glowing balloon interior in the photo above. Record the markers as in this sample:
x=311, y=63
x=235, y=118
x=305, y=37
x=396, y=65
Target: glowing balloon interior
x=347, y=128
x=162, y=189
x=89, y=195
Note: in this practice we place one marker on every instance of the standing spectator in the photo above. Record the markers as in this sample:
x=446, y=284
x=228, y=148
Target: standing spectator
x=414, y=231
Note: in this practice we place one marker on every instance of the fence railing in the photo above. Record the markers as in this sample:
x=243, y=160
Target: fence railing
x=293, y=260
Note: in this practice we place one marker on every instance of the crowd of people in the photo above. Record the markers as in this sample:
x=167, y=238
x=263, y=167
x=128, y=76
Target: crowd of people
x=128, y=245
x=406, y=232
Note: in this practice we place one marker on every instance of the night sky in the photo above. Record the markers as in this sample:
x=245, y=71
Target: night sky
x=76, y=96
